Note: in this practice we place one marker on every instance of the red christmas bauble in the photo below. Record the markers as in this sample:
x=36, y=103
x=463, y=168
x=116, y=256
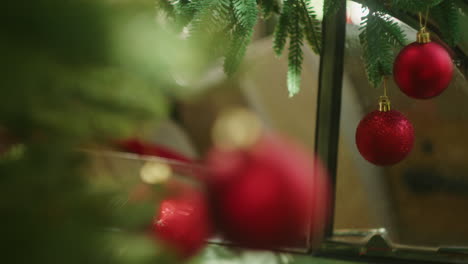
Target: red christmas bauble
x=423, y=70
x=183, y=223
x=140, y=147
x=384, y=138
x=270, y=195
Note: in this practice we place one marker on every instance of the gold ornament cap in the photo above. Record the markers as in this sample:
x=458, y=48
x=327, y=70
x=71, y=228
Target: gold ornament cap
x=384, y=104
x=423, y=36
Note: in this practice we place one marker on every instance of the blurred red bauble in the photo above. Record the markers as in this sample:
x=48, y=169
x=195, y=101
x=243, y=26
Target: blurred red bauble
x=183, y=223
x=140, y=147
x=269, y=195
x=384, y=137
x=423, y=70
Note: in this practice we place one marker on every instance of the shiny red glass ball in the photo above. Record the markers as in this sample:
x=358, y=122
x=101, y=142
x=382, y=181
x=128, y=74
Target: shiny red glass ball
x=268, y=196
x=423, y=70
x=384, y=138
x=183, y=223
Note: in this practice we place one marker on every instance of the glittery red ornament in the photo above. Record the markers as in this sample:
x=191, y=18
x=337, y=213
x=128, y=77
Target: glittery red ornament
x=269, y=195
x=423, y=70
x=384, y=137
x=183, y=223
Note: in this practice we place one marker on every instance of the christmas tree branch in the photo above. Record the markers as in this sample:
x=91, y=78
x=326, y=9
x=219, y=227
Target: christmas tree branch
x=295, y=51
x=269, y=7
x=446, y=16
x=312, y=27
x=380, y=36
x=245, y=14
x=281, y=30
x=415, y=5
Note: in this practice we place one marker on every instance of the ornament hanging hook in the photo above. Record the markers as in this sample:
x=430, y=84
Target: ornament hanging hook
x=420, y=20
x=423, y=36
x=385, y=85
x=426, y=17
x=384, y=102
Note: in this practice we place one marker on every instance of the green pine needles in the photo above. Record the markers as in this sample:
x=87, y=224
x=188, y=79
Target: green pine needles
x=446, y=15
x=415, y=5
x=282, y=29
x=245, y=18
x=380, y=35
x=296, y=35
x=298, y=22
x=234, y=22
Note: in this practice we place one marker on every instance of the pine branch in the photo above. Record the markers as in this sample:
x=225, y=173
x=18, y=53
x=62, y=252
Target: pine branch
x=378, y=36
x=312, y=26
x=446, y=15
x=268, y=7
x=415, y=5
x=209, y=17
x=165, y=7
x=236, y=50
x=295, y=51
x=245, y=14
x=184, y=12
x=463, y=5
x=330, y=7
x=281, y=30
x=202, y=12
x=393, y=32
x=373, y=5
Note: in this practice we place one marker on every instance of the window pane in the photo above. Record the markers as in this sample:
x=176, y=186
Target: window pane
x=423, y=199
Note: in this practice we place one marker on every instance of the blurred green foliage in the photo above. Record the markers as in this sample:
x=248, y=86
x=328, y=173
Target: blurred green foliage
x=76, y=73
x=215, y=254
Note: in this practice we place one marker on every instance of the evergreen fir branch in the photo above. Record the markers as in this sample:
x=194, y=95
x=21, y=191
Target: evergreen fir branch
x=463, y=5
x=202, y=10
x=330, y=7
x=209, y=17
x=312, y=26
x=377, y=42
x=268, y=7
x=236, y=50
x=198, y=5
x=166, y=7
x=281, y=30
x=245, y=12
x=184, y=12
x=245, y=15
x=178, y=4
x=225, y=38
x=392, y=31
x=373, y=5
x=415, y=5
x=446, y=15
x=224, y=13
x=295, y=56
x=211, y=26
